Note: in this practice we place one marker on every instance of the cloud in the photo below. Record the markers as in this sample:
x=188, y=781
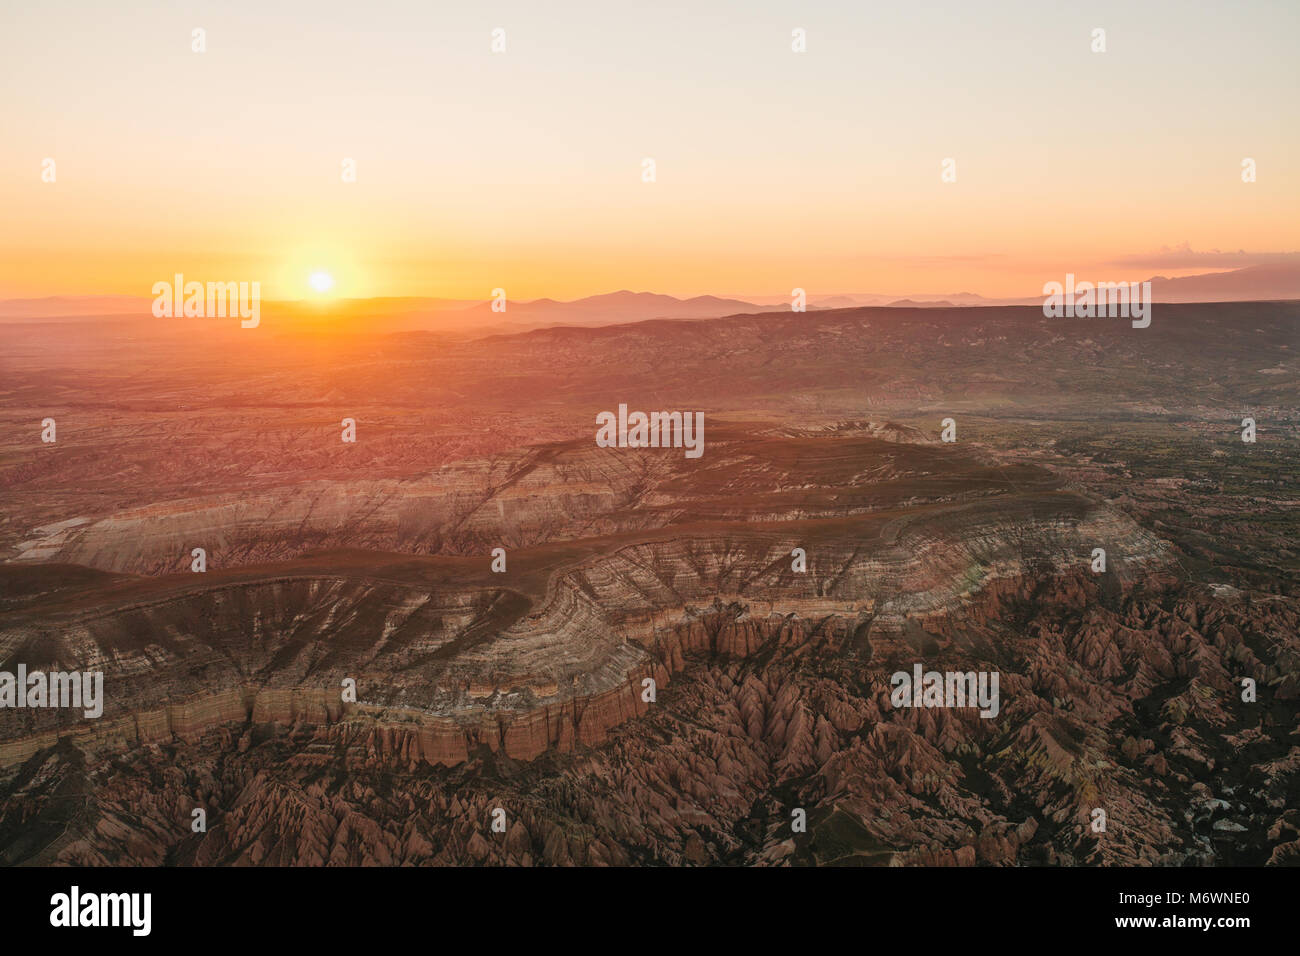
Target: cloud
x=1183, y=256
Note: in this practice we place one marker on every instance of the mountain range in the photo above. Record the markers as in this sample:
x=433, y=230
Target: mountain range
x=1267, y=282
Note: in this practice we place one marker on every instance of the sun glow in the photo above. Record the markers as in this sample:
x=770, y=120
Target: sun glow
x=321, y=281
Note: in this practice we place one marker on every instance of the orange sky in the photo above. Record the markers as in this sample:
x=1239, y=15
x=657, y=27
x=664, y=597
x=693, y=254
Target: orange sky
x=523, y=169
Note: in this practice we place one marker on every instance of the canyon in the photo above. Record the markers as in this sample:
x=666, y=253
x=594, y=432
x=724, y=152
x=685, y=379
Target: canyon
x=654, y=678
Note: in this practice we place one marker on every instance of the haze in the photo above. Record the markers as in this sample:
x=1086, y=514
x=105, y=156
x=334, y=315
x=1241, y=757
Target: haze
x=522, y=169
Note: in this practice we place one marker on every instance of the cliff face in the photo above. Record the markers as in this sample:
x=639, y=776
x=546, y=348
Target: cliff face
x=522, y=691
x=1125, y=701
x=532, y=496
x=553, y=655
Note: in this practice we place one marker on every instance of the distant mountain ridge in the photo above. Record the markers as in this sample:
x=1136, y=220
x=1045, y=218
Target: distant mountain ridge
x=1251, y=283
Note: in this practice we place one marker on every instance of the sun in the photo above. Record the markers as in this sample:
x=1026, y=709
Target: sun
x=321, y=281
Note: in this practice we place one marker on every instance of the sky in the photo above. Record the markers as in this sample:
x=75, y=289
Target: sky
x=523, y=169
